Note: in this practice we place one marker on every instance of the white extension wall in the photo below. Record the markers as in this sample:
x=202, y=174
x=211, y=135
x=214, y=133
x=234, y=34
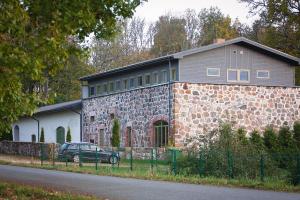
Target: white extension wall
x=50, y=122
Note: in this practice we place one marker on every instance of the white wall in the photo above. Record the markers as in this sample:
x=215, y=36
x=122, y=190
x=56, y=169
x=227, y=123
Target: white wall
x=50, y=122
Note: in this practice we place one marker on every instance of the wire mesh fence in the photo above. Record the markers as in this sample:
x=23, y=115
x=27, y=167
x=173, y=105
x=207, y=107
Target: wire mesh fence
x=202, y=163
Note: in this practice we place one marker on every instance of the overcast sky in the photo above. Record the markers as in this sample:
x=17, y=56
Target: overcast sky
x=152, y=9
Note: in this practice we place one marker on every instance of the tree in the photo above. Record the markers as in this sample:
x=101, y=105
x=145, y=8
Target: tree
x=115, y=140
x=279, y=25
x=7, y=136
x=42, y=137
x=296, y=135
x=36, y=41
x=170, y=36
x=213, y=24
x=69, y=137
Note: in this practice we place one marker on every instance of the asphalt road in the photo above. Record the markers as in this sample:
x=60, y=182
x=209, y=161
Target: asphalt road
x=132, y=189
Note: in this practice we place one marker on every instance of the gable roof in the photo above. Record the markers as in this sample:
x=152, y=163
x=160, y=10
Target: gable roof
x=239, y=41
x=70, y=105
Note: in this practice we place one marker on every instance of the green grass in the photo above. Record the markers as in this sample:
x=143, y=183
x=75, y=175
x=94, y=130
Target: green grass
x=144, y=171
x=17, y=191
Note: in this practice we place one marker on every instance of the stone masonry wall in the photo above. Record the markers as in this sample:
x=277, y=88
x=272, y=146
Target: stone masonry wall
x=138, y=109
x=198, y=108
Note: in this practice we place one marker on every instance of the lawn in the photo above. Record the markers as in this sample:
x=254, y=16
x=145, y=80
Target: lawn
x=18, y=191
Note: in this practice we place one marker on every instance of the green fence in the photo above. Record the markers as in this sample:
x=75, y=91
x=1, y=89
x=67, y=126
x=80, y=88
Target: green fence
x=219, y=164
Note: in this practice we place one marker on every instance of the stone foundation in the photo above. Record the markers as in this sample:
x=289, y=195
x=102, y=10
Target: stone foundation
x=199, y=108
x=138, y=109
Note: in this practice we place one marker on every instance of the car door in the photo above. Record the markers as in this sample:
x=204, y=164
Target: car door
x=85, y=152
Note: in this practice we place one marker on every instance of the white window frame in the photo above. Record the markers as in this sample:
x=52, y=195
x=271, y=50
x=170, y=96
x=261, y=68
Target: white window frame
x=212, y=68
x=257, y=71
x=238, y=75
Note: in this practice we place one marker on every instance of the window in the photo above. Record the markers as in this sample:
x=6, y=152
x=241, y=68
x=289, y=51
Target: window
x=161, y=134
x=128, y=137
x=118, y=85
x=155, y=78
x=101, y=137
x=105, y=89
x=173, y=74
x=92, y=91
x=98, y=89
x=140, y=81
x=147, y=79
x=85, y=147
x=125, y=84
x=92, y=118
x=262, y=74
x=111, y=86
x=131, y=83
x=238, y=75
x=213, y=72
x=92, y=141
x=164, y=77
x=73, y=146
x=33, y=138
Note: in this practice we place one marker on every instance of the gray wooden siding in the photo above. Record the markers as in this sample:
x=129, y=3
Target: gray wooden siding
x=193, y=68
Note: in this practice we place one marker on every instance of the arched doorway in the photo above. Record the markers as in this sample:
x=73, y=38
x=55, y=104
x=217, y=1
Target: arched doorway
x=60, y=135
x=16, y=133
x=161, y=134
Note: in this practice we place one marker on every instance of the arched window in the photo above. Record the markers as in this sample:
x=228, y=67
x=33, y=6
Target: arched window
x=60, y=135
x=16, y=133
x=33, y=138
x=161, y=135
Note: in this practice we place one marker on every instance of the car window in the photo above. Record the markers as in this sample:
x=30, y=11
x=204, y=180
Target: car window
x=93, y=147
x=73, y=146
x=85, y=147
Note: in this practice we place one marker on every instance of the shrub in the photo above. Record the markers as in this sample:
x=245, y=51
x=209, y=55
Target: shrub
x=42, y=137
x=271, y=140
x=256, y=140
x=115, y=140
x=296, y=136
x=69, y=137
x=241, y=136
x=7, y=135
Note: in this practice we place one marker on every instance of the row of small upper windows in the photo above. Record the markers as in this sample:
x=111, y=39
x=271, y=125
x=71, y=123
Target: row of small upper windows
x=238, y=75
x=146, y=79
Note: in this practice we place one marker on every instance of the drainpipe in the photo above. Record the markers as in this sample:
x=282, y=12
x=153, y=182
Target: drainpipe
x=38, y=121
x=80, y=114
x=169, y=98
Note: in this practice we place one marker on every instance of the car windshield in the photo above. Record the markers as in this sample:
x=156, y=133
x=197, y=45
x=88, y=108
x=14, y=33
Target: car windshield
x=63, y=146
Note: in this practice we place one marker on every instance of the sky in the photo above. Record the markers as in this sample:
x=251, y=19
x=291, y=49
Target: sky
x=152, y=9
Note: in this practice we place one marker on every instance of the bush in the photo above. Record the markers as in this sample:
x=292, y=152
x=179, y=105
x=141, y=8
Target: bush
x=256, y=140
x=271, y=140
x=6, y=136
x=296, y=136
x=42, y=137
x=69, y=137
x=115, y=140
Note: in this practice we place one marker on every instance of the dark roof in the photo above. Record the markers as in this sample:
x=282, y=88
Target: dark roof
x=239, y=41
x=70, y=105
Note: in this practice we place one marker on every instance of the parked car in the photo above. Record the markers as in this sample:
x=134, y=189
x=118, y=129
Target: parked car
x=87, y=153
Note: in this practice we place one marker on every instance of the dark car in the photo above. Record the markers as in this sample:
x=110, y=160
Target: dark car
x=87, y=153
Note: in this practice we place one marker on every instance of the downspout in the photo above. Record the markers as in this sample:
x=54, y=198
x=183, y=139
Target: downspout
x=80, y=115
x=38, y=121
x=169, y=98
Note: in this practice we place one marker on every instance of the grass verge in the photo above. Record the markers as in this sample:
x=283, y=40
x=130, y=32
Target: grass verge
x=17, y=191
x=147, y=174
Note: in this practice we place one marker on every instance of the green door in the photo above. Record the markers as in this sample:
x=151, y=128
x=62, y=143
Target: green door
x=60, y=135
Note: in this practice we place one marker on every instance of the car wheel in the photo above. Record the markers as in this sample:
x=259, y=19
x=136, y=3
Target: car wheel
x=113, y=160
x=76, y=159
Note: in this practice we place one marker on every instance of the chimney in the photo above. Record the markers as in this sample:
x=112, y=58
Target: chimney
x=219, y=40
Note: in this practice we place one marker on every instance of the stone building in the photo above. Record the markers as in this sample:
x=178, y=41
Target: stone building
x=165, y=100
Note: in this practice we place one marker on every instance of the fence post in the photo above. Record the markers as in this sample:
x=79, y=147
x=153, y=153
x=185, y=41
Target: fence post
x=174, y=161
x=201, y=164
x=53, y=154
x=131, y=158
x=262, y=168
x=80, y=164
x=42, y=152
x=96, y=158
x=230, y=164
